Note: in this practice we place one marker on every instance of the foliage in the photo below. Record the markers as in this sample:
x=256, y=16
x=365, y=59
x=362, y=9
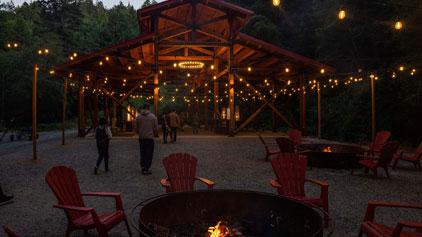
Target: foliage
x=365, y=41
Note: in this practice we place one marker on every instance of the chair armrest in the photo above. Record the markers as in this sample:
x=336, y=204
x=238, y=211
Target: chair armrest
x=74, y=208
x=401, y=224
x=369, y=157
x=165, y=183
x=370, y=210
x=304, y=151
x=116, y=196
x=206, y=181
x=320, y=183
x=275, y=183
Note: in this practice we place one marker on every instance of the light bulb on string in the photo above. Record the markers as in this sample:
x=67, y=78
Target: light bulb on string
x=341, y=14
x=276, y=3
x=398, y=25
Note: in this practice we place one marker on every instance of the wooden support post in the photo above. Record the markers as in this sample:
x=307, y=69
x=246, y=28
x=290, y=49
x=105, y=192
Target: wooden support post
x=206, y=107
x=231, y=104
x=215, y=112
x=81, y=110
x=273, y=118
x=232, y=123
x=302, y=106
x=64, y=112
x=319, y=111
x=156, y=86
x=95, y=117
x=373, y=107
x=34, y=112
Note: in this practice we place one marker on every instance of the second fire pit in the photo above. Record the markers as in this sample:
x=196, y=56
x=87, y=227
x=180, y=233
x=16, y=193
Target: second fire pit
x=336, y=156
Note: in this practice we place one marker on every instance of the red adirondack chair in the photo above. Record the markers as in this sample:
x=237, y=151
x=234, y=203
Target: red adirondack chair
x=380, y=140
x=64, y=183
x=385, y=157
x=374, y=229
x=296, y=136
x=9, y=232
x=415, y=159
x=290, y=169
x=285, y=144
x=181, y=170
x=269, y=147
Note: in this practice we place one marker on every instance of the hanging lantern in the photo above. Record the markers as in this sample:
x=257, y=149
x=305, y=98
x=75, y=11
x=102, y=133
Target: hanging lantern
x=398, y=25
x=341, y=14
x=276, y=2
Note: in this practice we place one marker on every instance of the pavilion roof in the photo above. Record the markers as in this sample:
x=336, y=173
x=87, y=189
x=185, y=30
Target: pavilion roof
x=188, y=32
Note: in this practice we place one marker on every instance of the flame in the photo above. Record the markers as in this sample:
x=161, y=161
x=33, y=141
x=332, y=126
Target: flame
x=220, y=230
x=328, y=149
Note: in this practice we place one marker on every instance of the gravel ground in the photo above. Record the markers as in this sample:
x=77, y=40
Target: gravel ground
x=232, y=163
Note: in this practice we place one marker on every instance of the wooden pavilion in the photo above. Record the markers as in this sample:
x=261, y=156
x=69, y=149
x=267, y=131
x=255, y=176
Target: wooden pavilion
x=194, y=44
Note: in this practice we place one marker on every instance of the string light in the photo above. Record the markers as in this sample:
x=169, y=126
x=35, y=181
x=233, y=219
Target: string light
x=15, y=45
x=322, y=70
x=107, y=58
x=398, y=25
x=276, y=2
x=129, y=68
x=75, y=55
x=401, y=68
x=139, y=62
x=161, y=71
x=215, y=77
x=9, y=45
x=212, y=67
x=342, y=14
x=249, y=69
x=46, y=51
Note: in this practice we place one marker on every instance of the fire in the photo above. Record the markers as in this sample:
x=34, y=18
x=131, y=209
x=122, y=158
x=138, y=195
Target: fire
x=220, y=230
x=328, y=149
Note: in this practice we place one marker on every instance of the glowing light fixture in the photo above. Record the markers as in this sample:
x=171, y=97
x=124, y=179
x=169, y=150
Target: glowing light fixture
x=398, y=25
x=322, y=70
x=276, y=2
x=341, y=14
x=191, y=65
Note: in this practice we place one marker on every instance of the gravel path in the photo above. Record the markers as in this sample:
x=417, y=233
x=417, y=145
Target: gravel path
x=233, y=163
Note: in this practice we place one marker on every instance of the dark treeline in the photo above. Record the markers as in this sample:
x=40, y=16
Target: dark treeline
x=363, y=43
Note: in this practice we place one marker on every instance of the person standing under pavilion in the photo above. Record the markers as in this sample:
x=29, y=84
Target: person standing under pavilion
x=174, y=124
x=146, y=126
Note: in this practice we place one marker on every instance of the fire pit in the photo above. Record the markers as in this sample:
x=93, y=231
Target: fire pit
x=216, y=213
x=336, y=156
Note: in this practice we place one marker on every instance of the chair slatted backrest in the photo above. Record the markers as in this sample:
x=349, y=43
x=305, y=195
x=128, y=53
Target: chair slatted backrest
x=181, y=170
x=418, y=152
x=387, y=153
x=296, y=136
x=380, y=140
x=64, y=183
x=290, y=169
x=285, y=144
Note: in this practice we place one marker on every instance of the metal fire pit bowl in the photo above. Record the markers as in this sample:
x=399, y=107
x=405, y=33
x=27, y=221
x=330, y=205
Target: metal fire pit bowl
x=251, y=213
x=341, y=157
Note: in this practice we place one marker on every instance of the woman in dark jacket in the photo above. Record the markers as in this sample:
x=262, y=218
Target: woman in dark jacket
x=102, y=136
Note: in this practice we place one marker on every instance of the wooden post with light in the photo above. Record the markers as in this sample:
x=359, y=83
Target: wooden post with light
x=64, y=112
x=319, y=111
x=372, y=76
x=34, y=112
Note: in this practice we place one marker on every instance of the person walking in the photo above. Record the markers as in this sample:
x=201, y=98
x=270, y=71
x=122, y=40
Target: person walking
x=102, y=136
x=174, y=124
x=4, y=199
x=165, y=126
x=146, y=126
x=195, y=123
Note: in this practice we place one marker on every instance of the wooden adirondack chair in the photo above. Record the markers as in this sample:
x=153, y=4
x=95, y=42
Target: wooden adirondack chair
x=373, y=229
x=375, y=148
x=269, y=147
x=285, y=144
x=9, y=232
x=385, y=157
x=296, y=136
x=64, y=183
x=415, y=159
x=290, y=169
x=181, y=170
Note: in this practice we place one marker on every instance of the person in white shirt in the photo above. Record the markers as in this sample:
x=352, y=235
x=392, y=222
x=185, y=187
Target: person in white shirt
x=102, y=136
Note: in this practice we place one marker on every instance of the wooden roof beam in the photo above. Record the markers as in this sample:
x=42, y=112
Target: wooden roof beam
x=194, y=44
